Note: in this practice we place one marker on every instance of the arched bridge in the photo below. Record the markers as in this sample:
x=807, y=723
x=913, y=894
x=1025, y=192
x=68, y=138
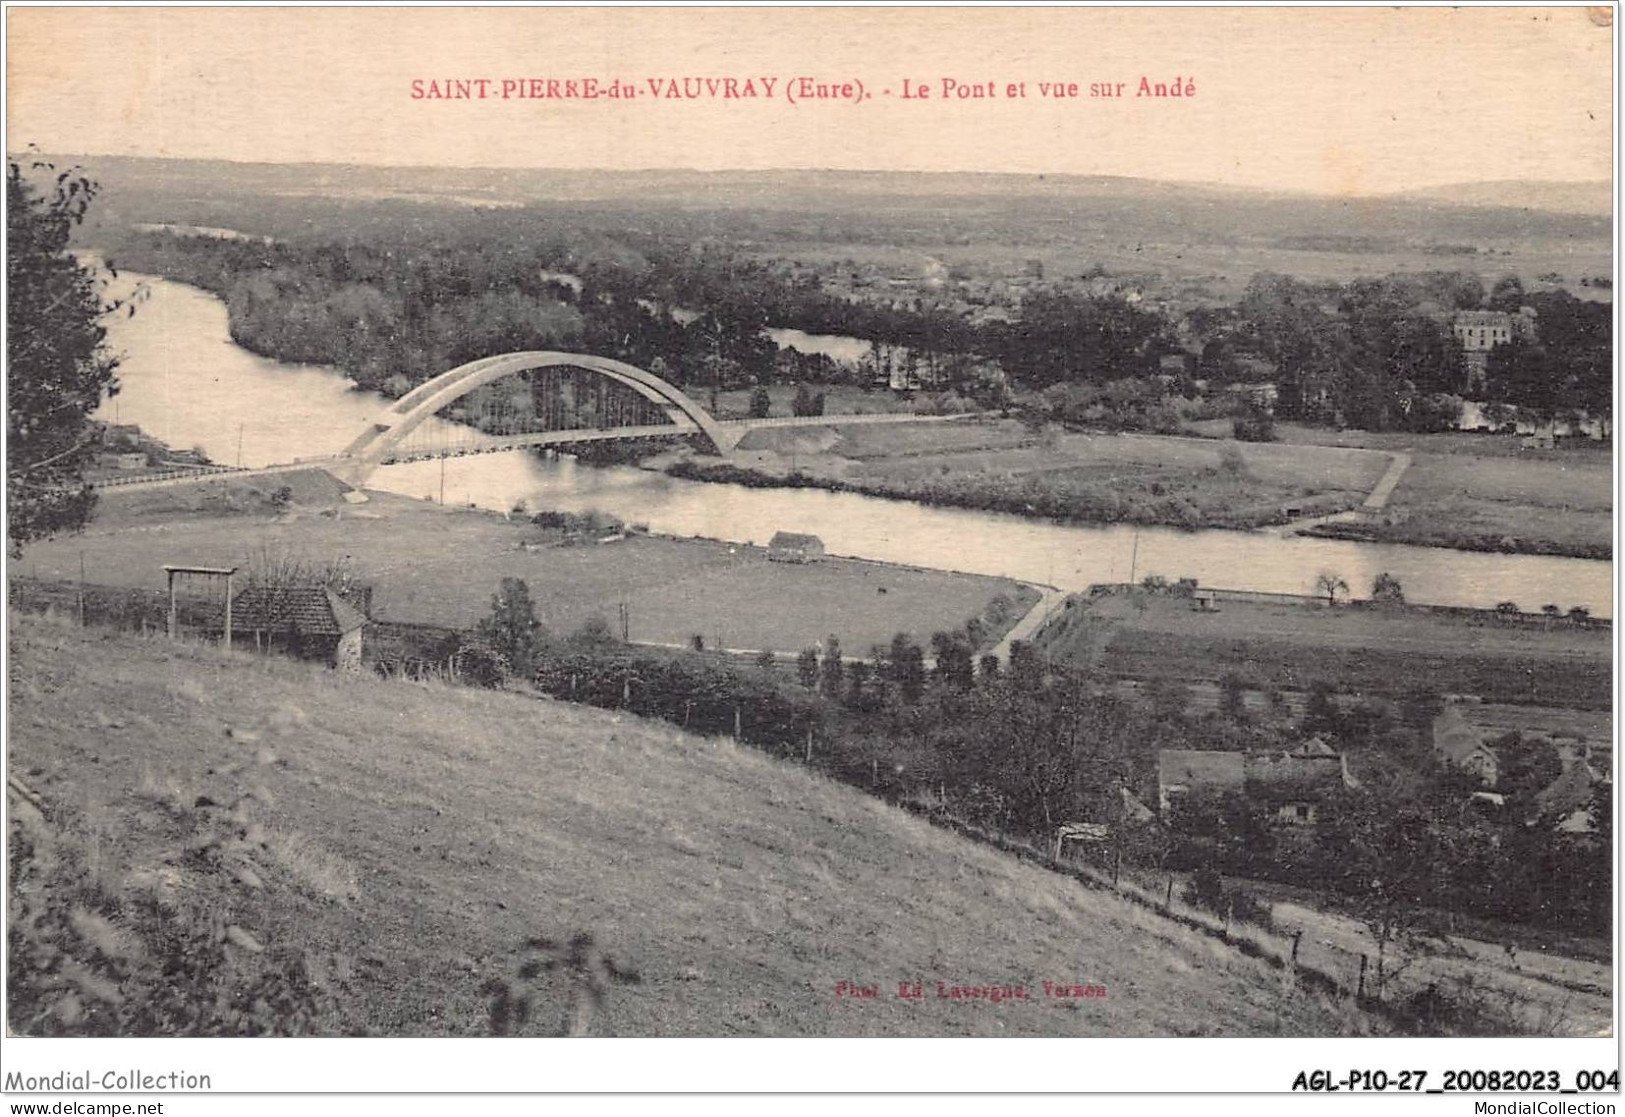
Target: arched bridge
x=550, y=399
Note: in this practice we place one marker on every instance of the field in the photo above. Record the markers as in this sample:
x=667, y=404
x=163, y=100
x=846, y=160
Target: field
x=839, y=399
x=1488, y=492
x=1137, y=478
x=1367, y=650
x=401, y=842
x=440, y=566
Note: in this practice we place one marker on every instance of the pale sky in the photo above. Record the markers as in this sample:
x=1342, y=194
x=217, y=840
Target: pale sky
x=1328, y=100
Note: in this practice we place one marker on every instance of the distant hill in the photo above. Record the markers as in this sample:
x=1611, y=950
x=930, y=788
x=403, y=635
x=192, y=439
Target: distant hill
x=1213, y=237
x=1593, y=198
x=407, y=839
x=822, y=189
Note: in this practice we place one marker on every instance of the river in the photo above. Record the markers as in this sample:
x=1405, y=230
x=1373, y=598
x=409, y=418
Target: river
x=184, y=381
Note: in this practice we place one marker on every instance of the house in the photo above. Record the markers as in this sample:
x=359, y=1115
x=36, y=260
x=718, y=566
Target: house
x=792, y=546
x=1204, y=601
x=309, y=621
x=1459, y=745
x=1541, y=438
x=1567, y=799
x=123, y=461
x=1479, y=331
x=1482, y=330
x=1293, y=785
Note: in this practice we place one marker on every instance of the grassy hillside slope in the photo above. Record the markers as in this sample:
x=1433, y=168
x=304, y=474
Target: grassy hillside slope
x=407, y=839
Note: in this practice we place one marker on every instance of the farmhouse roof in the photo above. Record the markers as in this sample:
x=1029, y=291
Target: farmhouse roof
x=1570, y=792
x=794, y=539
x=1454, y=739
x=1483, y=318
x=1193, y=769
x=301, y=610
x=1314, y=746
x=1296, y=776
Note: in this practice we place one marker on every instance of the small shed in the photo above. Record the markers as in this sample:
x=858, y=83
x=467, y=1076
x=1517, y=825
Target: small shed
x=792, y=546
x=1204, y=601
x=311, y=622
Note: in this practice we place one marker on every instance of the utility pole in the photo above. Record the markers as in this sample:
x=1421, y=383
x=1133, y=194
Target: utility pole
x=1134, y=560
x=239, y=445
x=442, y=480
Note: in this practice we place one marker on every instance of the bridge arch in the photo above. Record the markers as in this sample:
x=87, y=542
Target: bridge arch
x=401, y=418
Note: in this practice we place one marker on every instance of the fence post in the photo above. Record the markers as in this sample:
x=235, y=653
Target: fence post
x=1296, y=939
x=736, y=723
x=1359, y=993
x=1168, y=900
x=809, y=746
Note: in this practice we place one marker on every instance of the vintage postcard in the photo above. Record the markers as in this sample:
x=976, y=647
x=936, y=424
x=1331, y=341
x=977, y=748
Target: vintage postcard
x=814, y=523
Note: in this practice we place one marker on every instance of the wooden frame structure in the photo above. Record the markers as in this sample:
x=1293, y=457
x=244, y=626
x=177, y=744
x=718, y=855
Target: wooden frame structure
x=203, y=571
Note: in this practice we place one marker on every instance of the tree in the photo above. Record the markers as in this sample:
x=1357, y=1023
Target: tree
x=1169, y=698
x=805, y=403
x=1420, y=707
x=833, y=669
x=511, y=628
x=907, y=661
x=760, y=402
x=1026, y=669
x=807, y=668
x=1328, y=583
x=1320, y=712
x=1386, y=590
x=988, y=668
x=1253, y=423
x=955, y=665
x=57, y=371
x=1233, y=696
x=1387, y=859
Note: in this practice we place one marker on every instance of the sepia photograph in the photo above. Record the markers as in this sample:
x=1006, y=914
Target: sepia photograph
x=819, y=523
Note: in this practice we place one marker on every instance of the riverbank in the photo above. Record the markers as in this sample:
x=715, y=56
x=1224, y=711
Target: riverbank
x=184, y=380
x=1456, y=492
x=440, y=566
x=1427, y=532
x=1002, y=466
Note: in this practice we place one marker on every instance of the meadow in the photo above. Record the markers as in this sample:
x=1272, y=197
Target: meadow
x=1491, y=492
x=1000, y=464
x=433, y=565
x=1363, y=650
x=371, y=857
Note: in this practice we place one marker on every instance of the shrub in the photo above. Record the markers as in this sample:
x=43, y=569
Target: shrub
x=761, y=403
x=1253, y=425
x=479, y=665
